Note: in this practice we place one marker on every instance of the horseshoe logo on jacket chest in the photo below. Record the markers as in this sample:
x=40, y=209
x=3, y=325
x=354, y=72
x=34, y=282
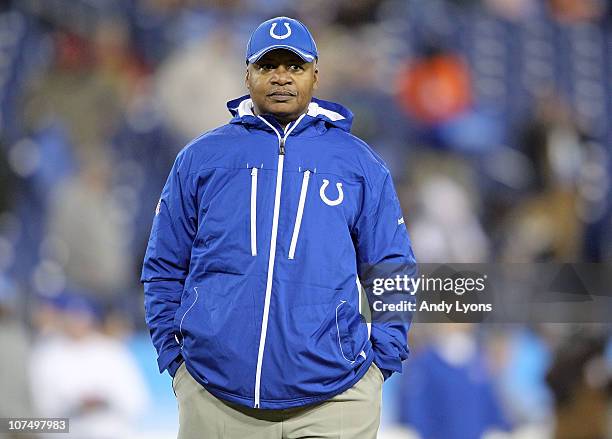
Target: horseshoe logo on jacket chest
x=327, y=200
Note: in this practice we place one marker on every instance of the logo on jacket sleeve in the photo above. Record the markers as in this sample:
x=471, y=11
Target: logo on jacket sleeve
x=327, y=200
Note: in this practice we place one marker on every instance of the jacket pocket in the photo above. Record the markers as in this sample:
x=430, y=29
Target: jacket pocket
x=299, y=214
x=222, y=333
x=348, y=322
x=182, y=320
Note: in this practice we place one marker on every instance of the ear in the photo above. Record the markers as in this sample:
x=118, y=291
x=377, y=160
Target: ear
x=315, y=83
x=247, y=76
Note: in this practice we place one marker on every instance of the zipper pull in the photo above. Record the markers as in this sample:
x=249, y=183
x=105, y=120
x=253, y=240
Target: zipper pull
x=282, y=146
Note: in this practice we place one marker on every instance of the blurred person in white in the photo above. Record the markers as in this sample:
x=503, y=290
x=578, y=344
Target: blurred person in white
x=89, y=231
x=14, y=346
x=79, y=373
x=446, y=224
x=189, y=107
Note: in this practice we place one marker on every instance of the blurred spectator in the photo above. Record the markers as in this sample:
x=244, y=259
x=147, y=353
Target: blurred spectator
x=444, y=205
x=76, y=93
x=448, y=390
x=512, y=9
x=545, y=224
x=522, y=365
x=435, y=87
x=435, y=91
x=15, y=347
x=87, y=225
x=194, y=85
x=79, y=373
x=581, y=383
x=571, y=11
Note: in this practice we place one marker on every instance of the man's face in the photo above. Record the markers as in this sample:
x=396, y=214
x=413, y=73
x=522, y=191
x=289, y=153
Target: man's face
x=281, y=84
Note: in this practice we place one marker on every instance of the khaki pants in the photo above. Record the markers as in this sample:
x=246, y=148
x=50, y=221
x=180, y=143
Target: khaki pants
x=353, y=414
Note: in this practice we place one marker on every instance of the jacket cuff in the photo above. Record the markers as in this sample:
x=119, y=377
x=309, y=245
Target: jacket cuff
x=389, y=362
x=173, y=367
x=167, y=357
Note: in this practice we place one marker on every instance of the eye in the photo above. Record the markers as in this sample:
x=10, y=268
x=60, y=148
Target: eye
x=296, y=67
x=266, y=66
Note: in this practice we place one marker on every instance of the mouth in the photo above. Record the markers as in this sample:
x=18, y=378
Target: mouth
x=281, y=95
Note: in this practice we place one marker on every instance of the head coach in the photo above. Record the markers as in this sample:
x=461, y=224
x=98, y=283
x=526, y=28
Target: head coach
x=257, y=247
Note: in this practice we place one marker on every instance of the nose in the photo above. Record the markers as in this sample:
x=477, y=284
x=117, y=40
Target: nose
x=281, y=76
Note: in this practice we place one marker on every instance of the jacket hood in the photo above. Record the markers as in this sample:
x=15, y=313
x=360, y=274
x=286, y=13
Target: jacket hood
x=318, y=110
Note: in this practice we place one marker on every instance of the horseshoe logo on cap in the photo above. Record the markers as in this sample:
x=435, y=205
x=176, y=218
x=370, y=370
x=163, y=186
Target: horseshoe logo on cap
x=327, y=200
x=280, y=37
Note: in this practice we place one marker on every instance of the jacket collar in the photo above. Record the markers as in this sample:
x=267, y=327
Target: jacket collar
x=319, y=113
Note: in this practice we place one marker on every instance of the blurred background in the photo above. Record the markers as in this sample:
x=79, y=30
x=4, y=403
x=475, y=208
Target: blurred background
x=493, y=115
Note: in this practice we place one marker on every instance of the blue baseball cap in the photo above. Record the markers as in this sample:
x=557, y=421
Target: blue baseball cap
x=281, y=33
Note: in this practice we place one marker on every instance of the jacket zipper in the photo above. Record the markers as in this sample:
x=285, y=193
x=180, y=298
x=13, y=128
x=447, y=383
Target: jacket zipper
x=277, y=199
x=300, y=212
x=254, y=212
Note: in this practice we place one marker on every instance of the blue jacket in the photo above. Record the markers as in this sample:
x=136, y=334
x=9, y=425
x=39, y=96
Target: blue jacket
x=250, y=274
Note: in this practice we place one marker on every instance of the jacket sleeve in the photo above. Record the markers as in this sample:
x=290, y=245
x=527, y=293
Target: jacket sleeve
x=384, y=251
x=166, y=262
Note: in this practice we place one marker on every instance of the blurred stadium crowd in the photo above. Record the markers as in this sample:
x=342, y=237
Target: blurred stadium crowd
x=493, y=115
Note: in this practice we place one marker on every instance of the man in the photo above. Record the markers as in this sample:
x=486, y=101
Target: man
x=251, y=273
